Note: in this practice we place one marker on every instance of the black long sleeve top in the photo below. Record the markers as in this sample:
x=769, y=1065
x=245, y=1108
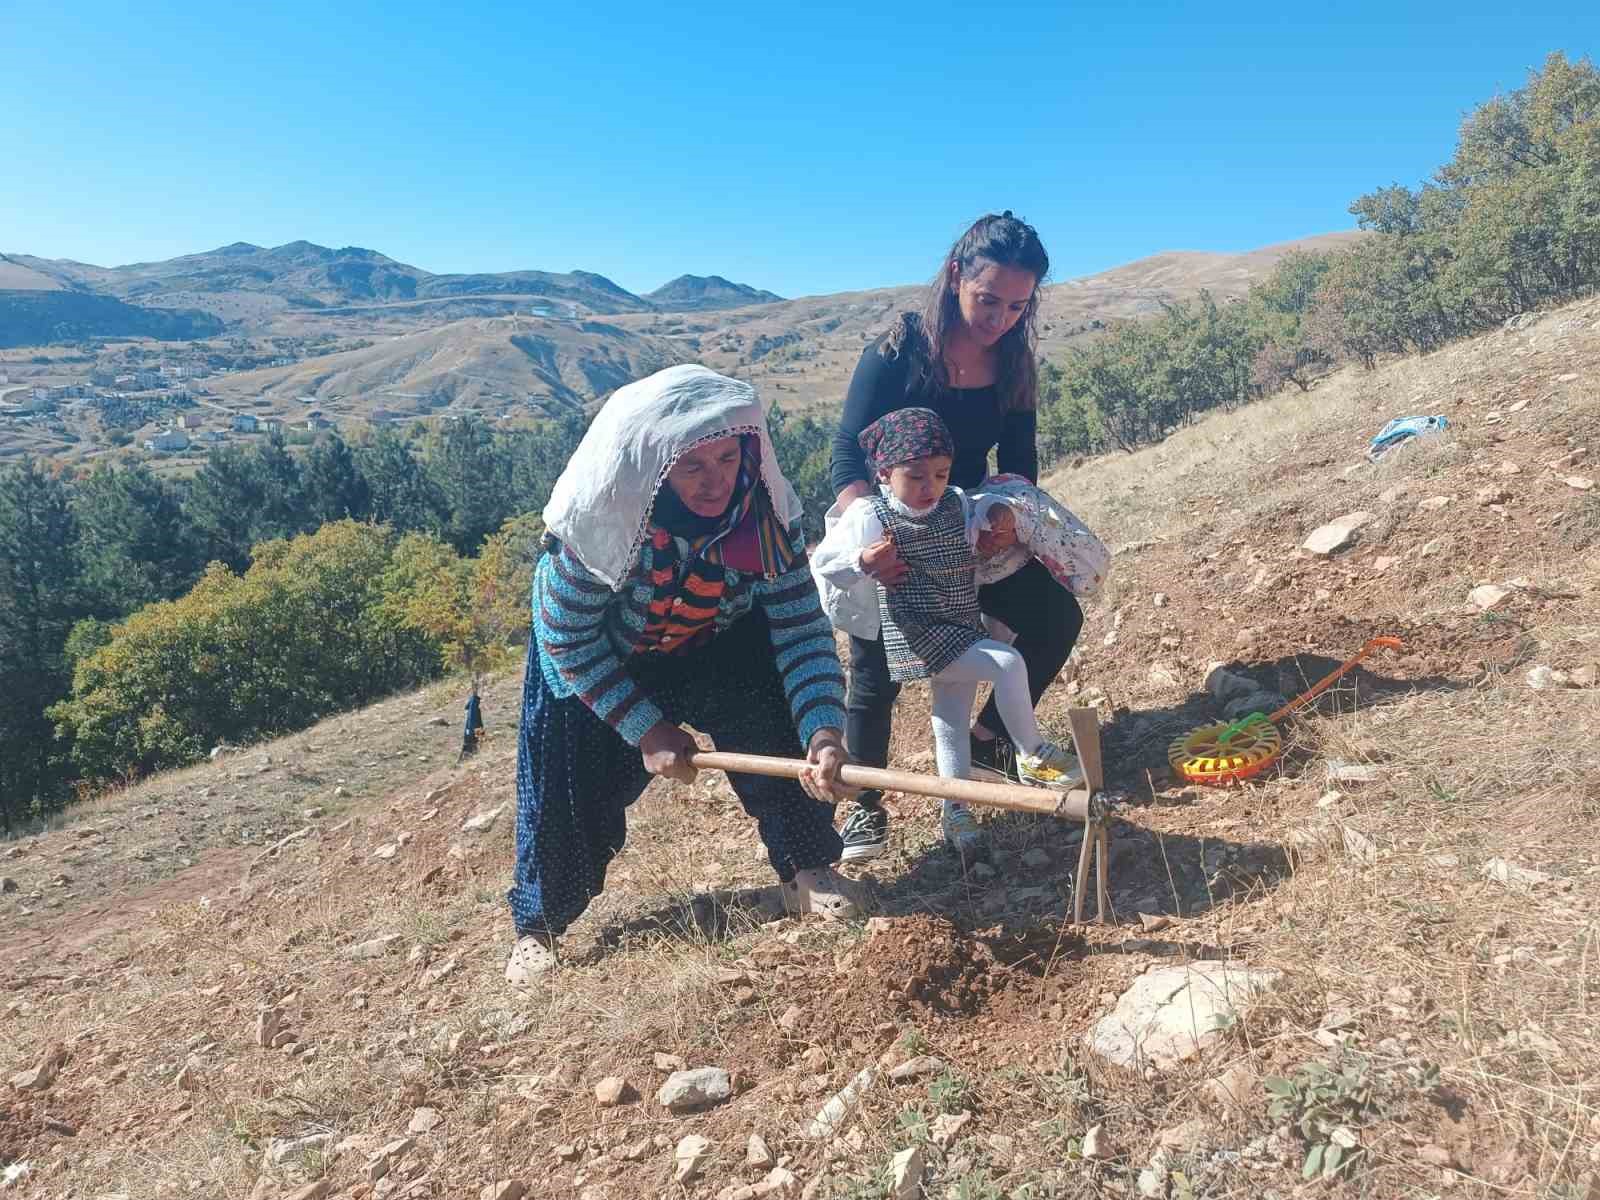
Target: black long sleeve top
x=880, y=385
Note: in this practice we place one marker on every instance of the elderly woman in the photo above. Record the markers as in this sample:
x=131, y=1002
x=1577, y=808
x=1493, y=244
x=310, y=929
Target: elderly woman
x=675, y=590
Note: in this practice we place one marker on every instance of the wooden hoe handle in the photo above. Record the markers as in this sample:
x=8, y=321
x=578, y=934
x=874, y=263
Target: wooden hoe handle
x=1010, y=796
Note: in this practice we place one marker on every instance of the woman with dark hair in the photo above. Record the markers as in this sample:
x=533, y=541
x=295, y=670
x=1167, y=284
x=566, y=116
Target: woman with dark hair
x=970, y=356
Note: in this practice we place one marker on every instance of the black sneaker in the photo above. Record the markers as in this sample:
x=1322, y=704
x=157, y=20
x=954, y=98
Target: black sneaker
x=994, y=760
x=865, y=833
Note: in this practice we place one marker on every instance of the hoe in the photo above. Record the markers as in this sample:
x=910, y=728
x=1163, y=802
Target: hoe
x=1090, y=803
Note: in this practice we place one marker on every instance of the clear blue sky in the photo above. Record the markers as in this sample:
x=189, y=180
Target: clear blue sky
x=804, y=148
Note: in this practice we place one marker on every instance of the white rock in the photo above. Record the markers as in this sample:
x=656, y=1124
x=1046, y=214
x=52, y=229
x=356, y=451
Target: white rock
x=1153, y=1179
x=1159, y=599
x=1340, y=771
x=1488, y=595
x=374, y=948
x=913, y=1068
x=1094, y=1143
x=1434, y=503
x=1225, y=685
x=612, y=1091
x=281, y=1150
x=1163, y=675
x=685, y=1091
x=839, y=1106
x=1511, y=875
x=423, y=1120
x=757, y=1154
x=1581, y=482
x=483, y=821
x=1172, y=1013
x=690, y=1157
x=386, y=852
x=906, y=1170
x=1329, y=539
x=1542, y=678
x=948, y=1126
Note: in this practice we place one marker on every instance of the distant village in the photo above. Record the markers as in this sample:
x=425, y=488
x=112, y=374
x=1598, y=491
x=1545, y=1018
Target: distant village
x=124, y=395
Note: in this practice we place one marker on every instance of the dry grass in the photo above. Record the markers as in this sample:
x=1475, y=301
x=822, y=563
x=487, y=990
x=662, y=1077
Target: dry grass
x=1462, y=1006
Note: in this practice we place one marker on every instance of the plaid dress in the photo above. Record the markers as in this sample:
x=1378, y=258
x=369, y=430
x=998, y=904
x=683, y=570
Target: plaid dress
x=930, y=618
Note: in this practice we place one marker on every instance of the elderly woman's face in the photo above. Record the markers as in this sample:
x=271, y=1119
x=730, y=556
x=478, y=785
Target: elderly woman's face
x=704, y=477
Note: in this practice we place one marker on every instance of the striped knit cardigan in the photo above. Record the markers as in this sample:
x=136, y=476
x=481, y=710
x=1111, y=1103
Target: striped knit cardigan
x=585, y=633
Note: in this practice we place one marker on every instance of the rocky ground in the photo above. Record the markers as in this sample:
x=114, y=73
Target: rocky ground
x=1371, y=972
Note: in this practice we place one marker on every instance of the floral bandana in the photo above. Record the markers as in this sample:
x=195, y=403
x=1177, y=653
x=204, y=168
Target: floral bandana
x=905, y=435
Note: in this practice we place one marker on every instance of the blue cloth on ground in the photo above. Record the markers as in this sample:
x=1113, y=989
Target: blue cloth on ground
x=1402, y=428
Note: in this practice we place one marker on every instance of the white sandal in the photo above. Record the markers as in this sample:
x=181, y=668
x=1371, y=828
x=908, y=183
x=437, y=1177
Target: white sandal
x=532, y=957
x=821, y=891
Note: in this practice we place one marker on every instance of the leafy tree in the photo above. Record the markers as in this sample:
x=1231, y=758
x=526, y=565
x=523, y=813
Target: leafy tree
x=135, y=542
x=333, y=487
x=400, y=493
x=40, y=598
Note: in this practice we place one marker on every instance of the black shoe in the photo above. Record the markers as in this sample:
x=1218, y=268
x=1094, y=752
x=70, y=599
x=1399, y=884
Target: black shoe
x=994, y=760
x=865, y=833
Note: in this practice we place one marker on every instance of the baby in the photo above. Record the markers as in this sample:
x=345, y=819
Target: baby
x=930, y=622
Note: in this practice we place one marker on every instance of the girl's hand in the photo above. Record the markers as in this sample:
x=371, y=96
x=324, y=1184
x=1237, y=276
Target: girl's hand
x=821, y=780
x=883, y=562
x=1001, y=534
x=665, y=749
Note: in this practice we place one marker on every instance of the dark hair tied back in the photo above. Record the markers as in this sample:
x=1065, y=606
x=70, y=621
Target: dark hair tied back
x=1004, y=240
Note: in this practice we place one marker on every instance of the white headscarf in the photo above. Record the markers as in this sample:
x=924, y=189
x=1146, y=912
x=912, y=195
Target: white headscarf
x=600, y=507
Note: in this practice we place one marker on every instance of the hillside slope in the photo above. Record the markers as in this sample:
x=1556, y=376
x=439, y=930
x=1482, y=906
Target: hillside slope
x=1432, y=927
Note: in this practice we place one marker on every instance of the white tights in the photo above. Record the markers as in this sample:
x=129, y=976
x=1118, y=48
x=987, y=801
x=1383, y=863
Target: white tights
x=956, y=688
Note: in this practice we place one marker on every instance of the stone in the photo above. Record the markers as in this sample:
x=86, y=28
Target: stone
x=42, y=1076
x=311, y=814
x=1255, y=702
x=1335, y=536
x=686, y=1091
x=7, y=884
x=915, y=1068
x=791, y=1018
x=424, y=1120
x=1488, y=596
x=282, y=1150
x=1508, y=468
x=1187, y=1137
x=1570, y=459
x=690, y=1157
x=831, y=1117
x=1225, y=685
x=1341, y=771
x=384, y=1158
x=1434, y=503
x=1171, y=1014
x=1237, y=1087
x=1584, y=676
x=374, y=947
x=1511, y=875
x=504, y=1189
x=386, y=851
x=780, y=1181
x=1152, y=1181
x=268, y=1022
x=947, y=1127
x=1581, y=483
x=1542, y=678
x=669, y=1062
x=1095, y=1144
x=1358, y=845
x=1488, y=497
x=612, y=1091
x=435, y=974
x=757, y=1154
x=1159, y=599
x=482, y=822
x=905, y=1174
x=311, y=1191
x=1434, y=1155
x=1382, y=563
x=1164, y=675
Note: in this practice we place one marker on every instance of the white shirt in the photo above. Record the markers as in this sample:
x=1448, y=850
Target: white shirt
x=838, y=557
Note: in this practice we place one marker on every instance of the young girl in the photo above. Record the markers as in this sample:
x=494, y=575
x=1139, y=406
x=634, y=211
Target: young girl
x=931, y=625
